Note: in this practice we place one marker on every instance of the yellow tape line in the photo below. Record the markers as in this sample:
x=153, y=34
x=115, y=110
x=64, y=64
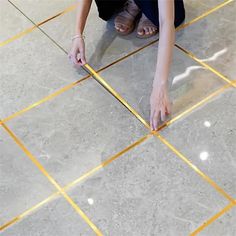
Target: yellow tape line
x=29, y=30
x=47, y=98
x=97, y=77
x=56, y=185
x=212, y=219
x=205, y=14
x=195, y=168
x=191, y=55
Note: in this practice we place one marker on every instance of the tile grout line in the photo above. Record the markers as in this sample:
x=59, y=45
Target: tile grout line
x=52, y=180
x=214, y=218
x=205, y=65
x=30, y=29
x=217, y=7
x=198, y=104
x=94, y=170
x=99, y=70
x=98, y=78
x=76, y=181
x=45, y=99
x=71, y=8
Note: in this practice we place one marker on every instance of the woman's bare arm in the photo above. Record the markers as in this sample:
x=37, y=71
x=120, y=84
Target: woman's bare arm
x=77, y=52
x=166, y=40
x=82, y=14
x=160, y=105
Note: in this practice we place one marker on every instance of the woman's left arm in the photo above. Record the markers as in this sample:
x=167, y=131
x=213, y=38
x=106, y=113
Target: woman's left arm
x=159, y=100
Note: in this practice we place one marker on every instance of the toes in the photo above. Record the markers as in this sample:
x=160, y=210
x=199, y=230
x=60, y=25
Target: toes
x=121, y=28
x=154, y=29
x=141, y=32
x=146, y=31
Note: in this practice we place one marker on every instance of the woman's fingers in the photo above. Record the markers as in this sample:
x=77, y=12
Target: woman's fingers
x=77, y=53
x=156, y=118
x=82, y=58
x=163, y=113
x=151, y=119
x=168, y=108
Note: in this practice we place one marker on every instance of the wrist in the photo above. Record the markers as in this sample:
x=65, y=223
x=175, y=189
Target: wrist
x=78, y=36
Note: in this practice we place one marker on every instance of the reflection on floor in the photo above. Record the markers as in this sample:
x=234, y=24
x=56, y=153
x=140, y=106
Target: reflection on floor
x=77, y=154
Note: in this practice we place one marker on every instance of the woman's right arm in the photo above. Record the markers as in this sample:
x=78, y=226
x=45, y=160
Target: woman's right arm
x=77, y=52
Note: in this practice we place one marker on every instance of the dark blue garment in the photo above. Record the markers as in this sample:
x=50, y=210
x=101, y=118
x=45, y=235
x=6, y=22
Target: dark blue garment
x=107, y=8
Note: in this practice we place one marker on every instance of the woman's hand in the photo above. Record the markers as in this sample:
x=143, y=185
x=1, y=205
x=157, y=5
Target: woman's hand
x=160, y=104
x=77, y=52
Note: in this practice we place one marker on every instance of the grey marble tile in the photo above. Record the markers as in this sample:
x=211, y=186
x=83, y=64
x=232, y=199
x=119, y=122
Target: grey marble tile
x=12, y=21
x=225, y=225
x=39, y=10
x=147, y=191
x=31, y=68
x=57, y=218
x=195, y=8
x=212, y=39
x=189, y=82
x=21, y=183
x=77, y=130
x=207, y=137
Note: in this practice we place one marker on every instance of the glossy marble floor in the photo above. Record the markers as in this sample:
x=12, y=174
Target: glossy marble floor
x=77, y=154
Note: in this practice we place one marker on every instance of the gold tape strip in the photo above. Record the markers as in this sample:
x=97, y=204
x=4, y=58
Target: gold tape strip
x=75, y=182
x=190, y=109
x=195, y=168
x=214, y=218
x=205, y=14
x=29, y=30
x=191, y=55
x=24, y=214
x=48, y=176
x=107, y=162
x=98, y=78
x=45, y=99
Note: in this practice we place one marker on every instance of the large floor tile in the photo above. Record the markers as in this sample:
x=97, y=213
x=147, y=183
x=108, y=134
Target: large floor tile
x=77, y=130
x=225, y=225
x=40, y=10
x=21, y=183
x=57, y=218
x=212, y=39
x=147, y=191
x=207, y=137
x=194, y=9
x=12, y=21
x=133, y=79
x=31, y=68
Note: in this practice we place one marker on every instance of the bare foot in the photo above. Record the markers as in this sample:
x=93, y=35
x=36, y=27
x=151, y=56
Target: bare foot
x=146, y=28
x=125, y=20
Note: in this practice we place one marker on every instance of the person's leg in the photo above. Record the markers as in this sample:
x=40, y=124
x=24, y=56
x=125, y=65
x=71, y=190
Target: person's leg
x=150, y=9
x=106, y=8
